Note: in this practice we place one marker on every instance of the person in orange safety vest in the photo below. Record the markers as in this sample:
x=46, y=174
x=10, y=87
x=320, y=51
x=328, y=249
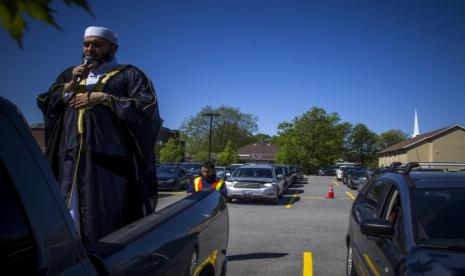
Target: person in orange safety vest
x=208, y=181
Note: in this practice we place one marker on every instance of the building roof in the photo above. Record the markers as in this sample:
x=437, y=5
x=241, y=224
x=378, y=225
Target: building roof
x=420, y=138
x=259, y=148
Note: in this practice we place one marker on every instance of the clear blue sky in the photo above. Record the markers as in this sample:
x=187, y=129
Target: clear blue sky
x=372, y=62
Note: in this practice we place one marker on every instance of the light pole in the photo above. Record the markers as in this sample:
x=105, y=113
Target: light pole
x=210, y=114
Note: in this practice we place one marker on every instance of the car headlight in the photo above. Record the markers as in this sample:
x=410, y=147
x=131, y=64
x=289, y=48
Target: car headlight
x=230, y=183
x=170, y=181
x=268, y=185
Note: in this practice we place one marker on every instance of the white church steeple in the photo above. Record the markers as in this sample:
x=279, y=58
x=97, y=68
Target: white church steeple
x=416, y=129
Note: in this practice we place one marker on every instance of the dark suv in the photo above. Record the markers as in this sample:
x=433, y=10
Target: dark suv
x=408, y=223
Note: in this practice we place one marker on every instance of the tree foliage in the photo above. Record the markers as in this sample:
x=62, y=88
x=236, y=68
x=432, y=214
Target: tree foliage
x=313, y=139
x=232, y=124
x=391, y=137
x=201, y=156
x=261, y=138
x=172, y=151
x=228, y=155
x=363, y=145
x=13, y=14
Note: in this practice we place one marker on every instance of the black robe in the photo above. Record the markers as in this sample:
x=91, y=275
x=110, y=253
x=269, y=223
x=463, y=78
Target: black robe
x=113, y=163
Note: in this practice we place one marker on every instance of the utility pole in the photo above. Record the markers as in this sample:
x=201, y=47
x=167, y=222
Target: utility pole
x=210, y=114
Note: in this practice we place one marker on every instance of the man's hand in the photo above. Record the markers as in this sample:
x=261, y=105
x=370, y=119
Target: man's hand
x=81, y=71
x=87, y=99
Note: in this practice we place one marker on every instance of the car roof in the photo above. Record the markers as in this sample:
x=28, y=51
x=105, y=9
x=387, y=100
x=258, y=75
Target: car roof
x=264, y=166
x=431, y=179
x=438, y=180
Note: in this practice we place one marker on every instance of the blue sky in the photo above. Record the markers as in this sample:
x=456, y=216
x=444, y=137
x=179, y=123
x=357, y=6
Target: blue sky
x=372, y=62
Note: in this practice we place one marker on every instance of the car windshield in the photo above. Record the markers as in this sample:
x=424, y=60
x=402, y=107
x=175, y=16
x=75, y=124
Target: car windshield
x=358, y=173
x=253, y=172
x=439, y=217
x=192, y=166
x=167, y=170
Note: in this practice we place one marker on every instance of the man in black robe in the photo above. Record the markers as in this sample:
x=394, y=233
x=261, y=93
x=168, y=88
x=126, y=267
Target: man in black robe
x=101, y=122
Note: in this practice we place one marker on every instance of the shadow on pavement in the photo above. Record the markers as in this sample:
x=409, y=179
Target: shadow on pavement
x=292, y=190
x=258, y=255
x=297, y=186
x=259, y=201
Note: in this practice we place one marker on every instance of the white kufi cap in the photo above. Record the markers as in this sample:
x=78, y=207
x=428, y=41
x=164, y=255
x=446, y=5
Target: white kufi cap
x=102, y=32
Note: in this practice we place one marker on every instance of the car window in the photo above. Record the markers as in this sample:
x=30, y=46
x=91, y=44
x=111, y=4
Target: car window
x=375, y=195
x=393, y=212
x=168, y=170
x=17, y=247
x=439, y=217
x=254, y=172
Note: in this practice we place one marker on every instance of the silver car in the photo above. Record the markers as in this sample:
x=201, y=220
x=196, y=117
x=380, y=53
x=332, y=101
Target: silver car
x=255, y=181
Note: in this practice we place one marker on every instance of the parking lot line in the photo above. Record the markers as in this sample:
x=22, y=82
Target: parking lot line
x=289, y=205
x=307, y=264
x=371, y=265
x=350, y=195
x=335, y=183
x=320, y=197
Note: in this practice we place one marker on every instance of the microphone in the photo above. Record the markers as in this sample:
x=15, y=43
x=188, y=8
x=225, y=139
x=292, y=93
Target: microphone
x=88, y=60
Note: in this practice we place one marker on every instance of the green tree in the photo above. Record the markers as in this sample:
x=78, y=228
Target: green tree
x=232, y=124
x=363, y=145
x=261, y=137
x=172, y=151
x=13, y=14
x=313, y=139
x=391, y=137
x=228, y=155
x=201, y=156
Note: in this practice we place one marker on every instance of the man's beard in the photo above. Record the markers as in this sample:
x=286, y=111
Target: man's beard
x=106, y=57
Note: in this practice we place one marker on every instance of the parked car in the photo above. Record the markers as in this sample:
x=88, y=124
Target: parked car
x=231, y=168
x=355, y=178
x=298, y=172
x=221, y=171
x=408, y=223
x=39, y=237
x=340, y=171
x=281, y=170
x=327, y=171
x=293, y=173
x=194, y=169
x=255, y=182
x=347, y=171
x=367, y=175
x=172, y=177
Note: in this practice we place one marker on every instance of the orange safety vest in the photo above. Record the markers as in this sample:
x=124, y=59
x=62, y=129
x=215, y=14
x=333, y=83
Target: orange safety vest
x=198, y=184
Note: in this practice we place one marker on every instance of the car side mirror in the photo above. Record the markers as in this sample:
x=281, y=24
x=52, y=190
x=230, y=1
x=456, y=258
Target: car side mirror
x=377, y=227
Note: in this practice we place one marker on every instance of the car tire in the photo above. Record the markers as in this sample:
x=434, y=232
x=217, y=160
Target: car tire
x=224, y=267
x=275, y=200
x=350, y=268
x=228, y=200
x=349, y=184
x=174, y=186
x=193, y=262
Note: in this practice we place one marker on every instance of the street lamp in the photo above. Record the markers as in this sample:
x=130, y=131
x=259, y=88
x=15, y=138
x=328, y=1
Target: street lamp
x=210, y=114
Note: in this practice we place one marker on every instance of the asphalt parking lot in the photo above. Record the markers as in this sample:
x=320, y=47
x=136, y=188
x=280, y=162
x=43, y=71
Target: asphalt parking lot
x=302, y=235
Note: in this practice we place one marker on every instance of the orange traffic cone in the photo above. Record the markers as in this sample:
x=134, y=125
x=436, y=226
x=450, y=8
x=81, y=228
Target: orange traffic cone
x=330, y=192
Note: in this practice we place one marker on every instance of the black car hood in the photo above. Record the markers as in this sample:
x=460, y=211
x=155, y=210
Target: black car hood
x=166, y=176
x=441, y=262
